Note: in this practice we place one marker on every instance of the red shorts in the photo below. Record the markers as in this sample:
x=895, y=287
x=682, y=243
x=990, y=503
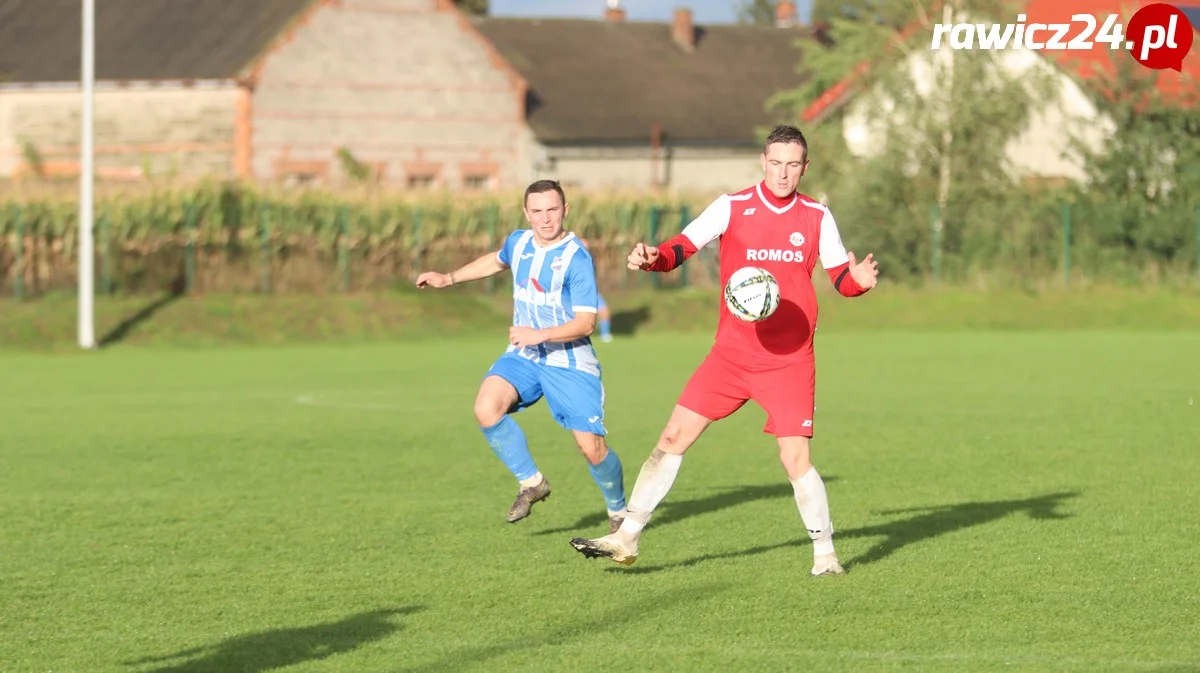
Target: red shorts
x=718, y=388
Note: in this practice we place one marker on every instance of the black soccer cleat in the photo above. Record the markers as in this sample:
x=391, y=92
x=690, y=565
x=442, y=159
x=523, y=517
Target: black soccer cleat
x=608, y=547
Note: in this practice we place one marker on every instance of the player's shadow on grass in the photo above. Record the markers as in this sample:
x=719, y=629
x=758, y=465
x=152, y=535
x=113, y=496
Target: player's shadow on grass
x=626, y=322
x=928, y=524
x=282, y=647
x=607, y=624
x=672, y=511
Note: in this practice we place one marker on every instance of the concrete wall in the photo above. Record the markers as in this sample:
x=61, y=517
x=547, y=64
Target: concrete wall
x=188, y=131
x=401, y=85
x=677, y=169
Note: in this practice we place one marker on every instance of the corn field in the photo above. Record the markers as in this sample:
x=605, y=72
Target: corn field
x=230, y=238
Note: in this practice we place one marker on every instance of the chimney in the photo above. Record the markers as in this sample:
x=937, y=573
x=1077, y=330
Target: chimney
x=615, y=13
x=682, y=29
x=785, y=14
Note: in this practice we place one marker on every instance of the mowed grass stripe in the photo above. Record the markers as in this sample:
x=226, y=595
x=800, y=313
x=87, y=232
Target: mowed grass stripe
x=1002, y=500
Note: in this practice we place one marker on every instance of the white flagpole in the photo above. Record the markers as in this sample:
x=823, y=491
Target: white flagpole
x=87, y=335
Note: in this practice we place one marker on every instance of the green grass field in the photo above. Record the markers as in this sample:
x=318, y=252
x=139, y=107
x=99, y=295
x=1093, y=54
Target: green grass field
x=1003, y=500
x=48, y=323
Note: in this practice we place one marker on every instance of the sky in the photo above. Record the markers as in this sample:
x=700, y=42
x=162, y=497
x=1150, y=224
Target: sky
x=703, y=11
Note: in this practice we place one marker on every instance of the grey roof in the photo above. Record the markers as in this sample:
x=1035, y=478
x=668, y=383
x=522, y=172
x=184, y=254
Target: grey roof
x=1193, y=15
x=139, y=39
x=609, y=82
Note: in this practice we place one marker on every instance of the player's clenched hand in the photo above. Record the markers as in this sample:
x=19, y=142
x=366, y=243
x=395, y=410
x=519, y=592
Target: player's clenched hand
x=642, y=257
x=433, y=279
x=525, y=336
x=866, y=272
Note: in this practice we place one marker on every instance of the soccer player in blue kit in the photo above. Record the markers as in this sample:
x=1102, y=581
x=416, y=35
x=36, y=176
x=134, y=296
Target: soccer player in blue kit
x=550, y=351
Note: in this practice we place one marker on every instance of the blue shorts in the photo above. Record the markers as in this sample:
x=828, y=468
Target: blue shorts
x=600, y=303
x=576, y=398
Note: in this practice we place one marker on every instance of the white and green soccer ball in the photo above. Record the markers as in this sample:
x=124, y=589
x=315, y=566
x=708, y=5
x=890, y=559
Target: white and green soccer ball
x=752, y=294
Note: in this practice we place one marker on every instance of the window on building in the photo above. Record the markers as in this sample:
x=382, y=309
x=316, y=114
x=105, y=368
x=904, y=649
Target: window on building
x=479, y=176
x=422, y=174
x=303, y=179
x=421, y=181
x=300, y=173
x=478, y=182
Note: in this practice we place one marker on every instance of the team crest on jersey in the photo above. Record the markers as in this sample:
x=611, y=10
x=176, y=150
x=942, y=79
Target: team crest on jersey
x=796, y=239
x=558, y=264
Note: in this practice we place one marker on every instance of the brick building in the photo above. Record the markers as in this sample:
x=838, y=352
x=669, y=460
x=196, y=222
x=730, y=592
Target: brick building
x=413, y=90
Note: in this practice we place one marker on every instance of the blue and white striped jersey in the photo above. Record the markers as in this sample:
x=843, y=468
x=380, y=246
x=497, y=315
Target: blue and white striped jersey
x=550, y=286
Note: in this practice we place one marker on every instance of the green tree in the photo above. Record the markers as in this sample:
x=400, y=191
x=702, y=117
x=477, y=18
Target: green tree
x=1153, y=152
x=758, y=12
x=825, y=11
x=1144, y=178
x=937, y=176
x=476, y=7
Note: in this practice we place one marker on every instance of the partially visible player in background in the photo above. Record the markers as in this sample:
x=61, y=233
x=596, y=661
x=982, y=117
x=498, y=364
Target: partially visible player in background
x=604, y=319
x=769, y=225
x=550, y=352
x=603, y=315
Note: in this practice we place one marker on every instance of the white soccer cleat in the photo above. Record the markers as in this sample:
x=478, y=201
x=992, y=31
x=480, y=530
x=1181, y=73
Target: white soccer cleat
x=610, y=547
x=827, y=564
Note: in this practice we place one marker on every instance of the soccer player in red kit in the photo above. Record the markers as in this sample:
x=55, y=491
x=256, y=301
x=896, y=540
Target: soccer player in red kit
x=769, y=225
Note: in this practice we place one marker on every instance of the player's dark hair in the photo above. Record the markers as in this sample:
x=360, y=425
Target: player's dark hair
x=785, y=133
x=545, y=186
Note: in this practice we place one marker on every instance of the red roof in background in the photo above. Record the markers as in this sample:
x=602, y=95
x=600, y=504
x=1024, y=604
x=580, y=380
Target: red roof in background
x=1099, y=59
x=1085, y=64
x=844, y=87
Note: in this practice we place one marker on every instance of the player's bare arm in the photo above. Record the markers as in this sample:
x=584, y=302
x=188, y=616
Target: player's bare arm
x=485, y=266
x=580, y=326
x=670, y=254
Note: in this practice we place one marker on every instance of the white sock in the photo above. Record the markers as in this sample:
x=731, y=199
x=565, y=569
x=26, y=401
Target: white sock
x=532, y=481
x=813, y=504
x=653, y=482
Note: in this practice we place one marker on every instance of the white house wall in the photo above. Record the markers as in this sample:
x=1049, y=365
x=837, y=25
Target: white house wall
x=1043, y=149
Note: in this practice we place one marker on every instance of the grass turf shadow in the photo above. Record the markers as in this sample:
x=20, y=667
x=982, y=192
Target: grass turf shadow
x=927, y=524
x=277, y=648
x=128, y=325
x=671, y=512
x=536, y=634
x=625, y=323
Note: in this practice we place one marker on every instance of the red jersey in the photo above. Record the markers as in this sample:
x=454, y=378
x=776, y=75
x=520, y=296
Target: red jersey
x=786, y=237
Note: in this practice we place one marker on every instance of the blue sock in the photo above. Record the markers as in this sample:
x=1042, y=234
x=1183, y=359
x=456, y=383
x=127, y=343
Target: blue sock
x=508, y=443
x=605, y=328
x=609, y=478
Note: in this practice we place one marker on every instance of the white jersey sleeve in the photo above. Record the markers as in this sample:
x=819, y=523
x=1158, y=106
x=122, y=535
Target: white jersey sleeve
x=581, y=283
x=830, y=247
x=710, y=224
